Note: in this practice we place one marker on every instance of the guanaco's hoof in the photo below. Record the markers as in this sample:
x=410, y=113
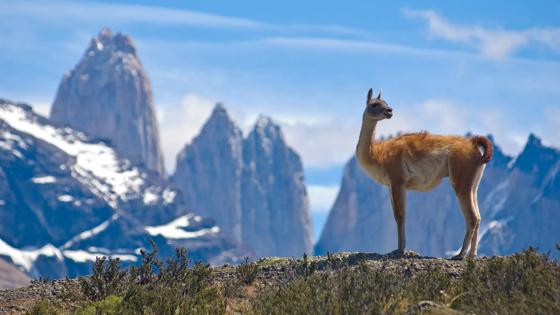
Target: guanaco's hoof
x=458, y=257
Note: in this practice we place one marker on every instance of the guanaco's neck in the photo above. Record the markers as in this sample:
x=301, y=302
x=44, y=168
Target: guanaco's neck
x=365, y=142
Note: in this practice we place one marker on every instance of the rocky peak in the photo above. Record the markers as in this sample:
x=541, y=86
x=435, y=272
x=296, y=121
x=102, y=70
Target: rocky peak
x=105, y=41
x=266, y=126
x=536, y=158
x=108, y=95
x=275, y=205
x=265, y=135
x=220, y=119
x=499, y=159
x=254, y=187
x=208, y=171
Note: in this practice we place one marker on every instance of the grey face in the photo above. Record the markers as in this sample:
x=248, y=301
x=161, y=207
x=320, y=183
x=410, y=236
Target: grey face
x=376, y=108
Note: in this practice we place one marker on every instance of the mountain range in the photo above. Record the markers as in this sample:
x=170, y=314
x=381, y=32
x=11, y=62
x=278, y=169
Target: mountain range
x=89, y=180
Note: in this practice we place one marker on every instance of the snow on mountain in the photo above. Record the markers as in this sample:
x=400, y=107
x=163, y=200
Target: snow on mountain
x=96, y=166
x=67, y=198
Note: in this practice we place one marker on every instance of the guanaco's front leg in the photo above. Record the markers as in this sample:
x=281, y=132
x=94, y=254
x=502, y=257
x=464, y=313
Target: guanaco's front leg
x=398, y=199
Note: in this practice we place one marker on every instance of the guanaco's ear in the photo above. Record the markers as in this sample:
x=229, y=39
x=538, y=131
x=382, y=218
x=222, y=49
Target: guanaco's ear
x=379, y=96
x=369, y=95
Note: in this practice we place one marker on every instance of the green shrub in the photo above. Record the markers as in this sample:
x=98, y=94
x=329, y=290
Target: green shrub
x=46, y=307
x=106, y=279
x=524, y=283
x=109, y=305
x=247, y=272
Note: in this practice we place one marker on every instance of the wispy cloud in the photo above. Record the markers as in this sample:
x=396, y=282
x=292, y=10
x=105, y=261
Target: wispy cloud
x=337, y=44
x=124, y=13
x=321, y=198
x=495, y=43
x=114, y=13
x=179, y=124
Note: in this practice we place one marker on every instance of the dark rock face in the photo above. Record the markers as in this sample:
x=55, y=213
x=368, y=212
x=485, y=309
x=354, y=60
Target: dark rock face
x=519, y=203
x=275, y=219
x=66, y=198
x=254, y=187
x=209, y=172
x=108, y=95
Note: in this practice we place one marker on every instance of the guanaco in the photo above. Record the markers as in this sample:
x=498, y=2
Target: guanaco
x=419, y=161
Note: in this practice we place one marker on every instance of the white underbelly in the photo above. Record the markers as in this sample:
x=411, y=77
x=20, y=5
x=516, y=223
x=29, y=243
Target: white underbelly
x=427, y=173
x=378, y=174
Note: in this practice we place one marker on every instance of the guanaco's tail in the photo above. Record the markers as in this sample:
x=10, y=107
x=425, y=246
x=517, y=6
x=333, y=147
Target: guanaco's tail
x=483, y=142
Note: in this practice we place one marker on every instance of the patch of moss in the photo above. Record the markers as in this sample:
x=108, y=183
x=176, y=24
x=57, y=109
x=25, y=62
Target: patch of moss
x=270, y=261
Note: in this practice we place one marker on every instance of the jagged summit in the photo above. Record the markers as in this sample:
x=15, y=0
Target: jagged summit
x=106, y=41
x=208, y=171
x=266, y=126
x=219, y=116
x=536, y=157
x=108, y=95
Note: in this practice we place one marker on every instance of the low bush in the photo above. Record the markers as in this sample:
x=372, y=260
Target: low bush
x=523, y=283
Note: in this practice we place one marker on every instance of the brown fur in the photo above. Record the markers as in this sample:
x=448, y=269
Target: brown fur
x=487, y=145
x=419, y=161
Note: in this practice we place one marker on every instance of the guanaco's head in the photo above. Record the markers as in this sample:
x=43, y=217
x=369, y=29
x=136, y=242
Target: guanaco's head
x=377, y=108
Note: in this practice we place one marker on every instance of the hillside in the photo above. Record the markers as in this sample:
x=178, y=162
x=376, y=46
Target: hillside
x=11, y=277
x=344, y=283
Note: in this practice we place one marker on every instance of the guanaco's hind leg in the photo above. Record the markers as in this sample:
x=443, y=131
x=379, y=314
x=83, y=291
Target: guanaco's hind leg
x=463, y=176
x=472, y=220
x=474, y=241
x=398, y=199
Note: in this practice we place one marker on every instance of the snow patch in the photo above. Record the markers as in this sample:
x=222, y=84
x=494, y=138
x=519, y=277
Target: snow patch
x=65, y=198
x=26, y=258
x=168, y=195
x=91, y=232
x=496, y=199
x=43, y=180
x=82, y=256
x=174, y=229
x=150, y=197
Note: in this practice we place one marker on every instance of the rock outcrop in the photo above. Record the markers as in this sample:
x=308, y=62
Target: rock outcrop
x=514, y=194
x=254, y=187
x=108, y=95
x=275, y=219
x=209, y=172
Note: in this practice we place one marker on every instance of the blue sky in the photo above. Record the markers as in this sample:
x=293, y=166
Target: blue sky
x=446, y=67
